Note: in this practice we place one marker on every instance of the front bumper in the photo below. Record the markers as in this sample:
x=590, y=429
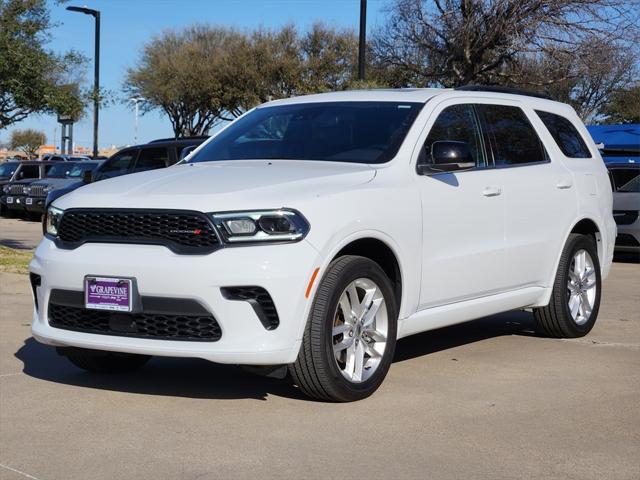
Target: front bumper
x=14, y=202
x=283, y=270
x=34, y=204
x=628, y=239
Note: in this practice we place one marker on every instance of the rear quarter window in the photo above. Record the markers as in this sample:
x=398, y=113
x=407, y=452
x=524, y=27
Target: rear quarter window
x=565, y=135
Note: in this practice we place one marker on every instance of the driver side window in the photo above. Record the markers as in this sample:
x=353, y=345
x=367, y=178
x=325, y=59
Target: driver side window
x=457, y=123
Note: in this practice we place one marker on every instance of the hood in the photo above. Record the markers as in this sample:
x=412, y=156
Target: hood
x=220, y=186
x=57, y=182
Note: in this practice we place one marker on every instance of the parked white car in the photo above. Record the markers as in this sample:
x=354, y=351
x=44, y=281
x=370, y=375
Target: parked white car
x=314, y=232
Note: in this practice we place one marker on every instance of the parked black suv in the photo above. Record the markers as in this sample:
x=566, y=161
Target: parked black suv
x=14, y=192
x=156, y=154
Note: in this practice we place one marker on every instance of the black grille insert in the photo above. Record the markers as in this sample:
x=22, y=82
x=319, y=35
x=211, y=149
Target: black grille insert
x=259, y=299
x=161, y=319
x=179, y=230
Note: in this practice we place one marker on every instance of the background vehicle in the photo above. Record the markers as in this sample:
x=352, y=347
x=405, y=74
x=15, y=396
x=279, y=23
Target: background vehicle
x=313, y=232
x=15, y=191
x=7, y=171
x=153, y=155
x=625, y=182
x=64, y=175
x=61, y=157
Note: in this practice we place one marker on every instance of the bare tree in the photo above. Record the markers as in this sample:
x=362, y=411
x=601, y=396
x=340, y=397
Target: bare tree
x=585, y=78
x=28, y=141
x=457, y=42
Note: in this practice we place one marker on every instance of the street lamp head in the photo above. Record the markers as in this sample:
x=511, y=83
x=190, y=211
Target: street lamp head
x=86, y=11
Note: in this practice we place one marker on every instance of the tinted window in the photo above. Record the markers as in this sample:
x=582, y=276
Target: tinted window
x=515, y=141
x=59, y=170
x=624, y=179
x=151, y=158
x=79, y=169
x=7, y=169
x=565, y=135
x=119, y=164
x=360, y=132
x=457, y=123
x=29, y=171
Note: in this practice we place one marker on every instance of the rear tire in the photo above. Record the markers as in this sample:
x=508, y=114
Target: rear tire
x=350, y=335
x=575, y=300
x=98, y=361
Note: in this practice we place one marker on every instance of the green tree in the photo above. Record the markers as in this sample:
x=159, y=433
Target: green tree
x=28, y=141
x=623, y=106
x=204, y=75
x=32, y=78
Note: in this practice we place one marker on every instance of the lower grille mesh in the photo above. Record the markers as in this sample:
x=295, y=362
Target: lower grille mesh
x=144, y=325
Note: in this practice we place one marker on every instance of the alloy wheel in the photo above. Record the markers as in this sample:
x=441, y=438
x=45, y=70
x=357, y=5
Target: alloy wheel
x=581, y=284
x=360, y=330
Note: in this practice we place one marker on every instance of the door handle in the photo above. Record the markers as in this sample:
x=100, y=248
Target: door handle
x=564, y=184
x=491, y=191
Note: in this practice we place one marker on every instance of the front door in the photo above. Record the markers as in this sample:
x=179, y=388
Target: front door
x=463, y=246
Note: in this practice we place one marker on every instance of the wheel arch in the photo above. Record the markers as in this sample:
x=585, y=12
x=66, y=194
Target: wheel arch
x=380, y=252
x=588, y=226
x=584, y=226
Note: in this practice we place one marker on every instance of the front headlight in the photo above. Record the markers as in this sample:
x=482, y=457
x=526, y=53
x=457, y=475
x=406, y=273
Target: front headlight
x=281, y=225
x=6, y=189
x=52, y=222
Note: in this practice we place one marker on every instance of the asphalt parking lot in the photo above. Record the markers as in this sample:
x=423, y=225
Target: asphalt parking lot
x=483, y=400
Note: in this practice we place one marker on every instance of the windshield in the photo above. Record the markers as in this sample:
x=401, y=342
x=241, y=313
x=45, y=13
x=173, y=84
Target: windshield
x=8, y=169
x=59, y=170
x=359, y=132
x=79, y=169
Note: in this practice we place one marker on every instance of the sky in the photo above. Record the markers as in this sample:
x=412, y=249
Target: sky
x=126, y=25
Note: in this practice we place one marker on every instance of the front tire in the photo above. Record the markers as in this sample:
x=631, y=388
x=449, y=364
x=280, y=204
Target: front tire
x=98, y=361
x=575, y=299
x=350, y=336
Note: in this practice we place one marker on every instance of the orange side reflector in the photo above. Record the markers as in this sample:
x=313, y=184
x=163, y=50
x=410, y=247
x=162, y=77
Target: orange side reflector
x=313, y=279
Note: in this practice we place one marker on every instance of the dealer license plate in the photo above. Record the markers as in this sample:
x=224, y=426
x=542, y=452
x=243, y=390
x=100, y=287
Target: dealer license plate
x=108, y=293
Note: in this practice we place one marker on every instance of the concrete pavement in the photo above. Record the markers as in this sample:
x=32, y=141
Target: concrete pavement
x=483, y=400
x=20, y=233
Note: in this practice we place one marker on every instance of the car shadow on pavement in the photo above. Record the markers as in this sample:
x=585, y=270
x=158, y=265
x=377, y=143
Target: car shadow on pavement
x=195, y=378
x=509, y=323
x=20, y=245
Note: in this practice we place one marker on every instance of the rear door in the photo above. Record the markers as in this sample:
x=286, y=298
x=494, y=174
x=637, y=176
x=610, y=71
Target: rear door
x=540, y=202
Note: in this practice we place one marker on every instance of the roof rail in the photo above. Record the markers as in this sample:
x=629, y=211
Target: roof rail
x=497, y=89
x=175, y=139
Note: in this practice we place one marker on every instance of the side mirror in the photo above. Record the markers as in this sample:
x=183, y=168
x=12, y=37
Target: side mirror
x=186, y=151
x=447, y=156
x=87, y=176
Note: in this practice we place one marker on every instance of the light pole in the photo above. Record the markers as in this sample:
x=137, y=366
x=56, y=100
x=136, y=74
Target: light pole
x=363, y=39
x=135, y=101
x=96, y=72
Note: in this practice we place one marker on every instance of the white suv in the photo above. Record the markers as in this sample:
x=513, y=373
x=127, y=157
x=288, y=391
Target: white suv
x=313, y=232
